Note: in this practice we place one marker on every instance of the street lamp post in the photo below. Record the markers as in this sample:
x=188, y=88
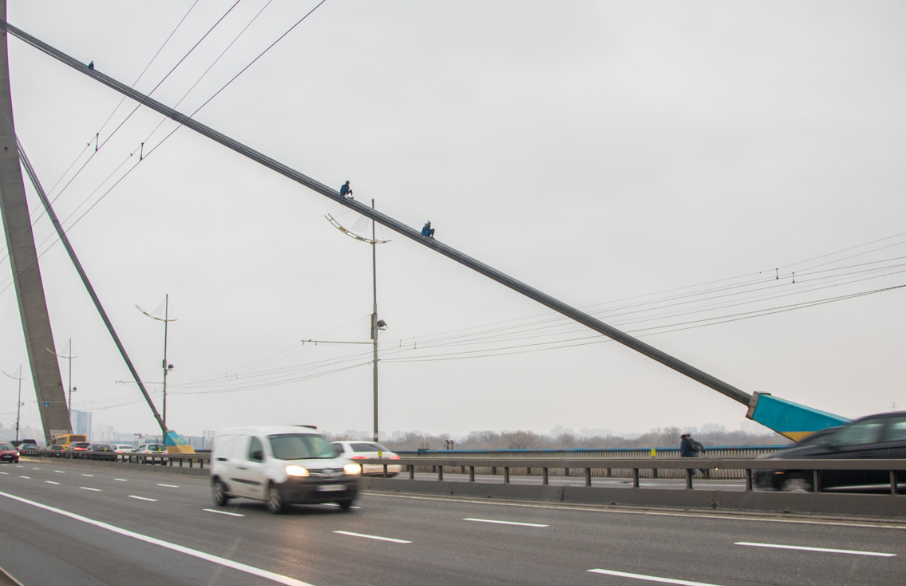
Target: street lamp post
x=376, y=324
x=18, y=401
x=166, y=367
x=71, y=389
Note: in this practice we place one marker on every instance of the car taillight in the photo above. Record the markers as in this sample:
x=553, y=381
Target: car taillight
x=393, y=457
x=360, y=457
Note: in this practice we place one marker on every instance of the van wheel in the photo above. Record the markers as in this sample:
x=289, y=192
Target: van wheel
x=218, y=493
x=275, y=502
x=796, y=485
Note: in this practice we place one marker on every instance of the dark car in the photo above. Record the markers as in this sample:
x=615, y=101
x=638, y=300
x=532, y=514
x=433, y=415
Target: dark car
x=101, y=452
x=79, y=447
x=57, y=451
x=9, y=454
x=874, y=437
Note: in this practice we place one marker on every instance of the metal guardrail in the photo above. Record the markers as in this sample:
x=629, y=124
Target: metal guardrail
x=161, y=459
x=636, y=465
x=712, y=451
x=737, y=452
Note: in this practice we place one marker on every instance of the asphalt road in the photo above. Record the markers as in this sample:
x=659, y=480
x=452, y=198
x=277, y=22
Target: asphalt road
x=75, y=525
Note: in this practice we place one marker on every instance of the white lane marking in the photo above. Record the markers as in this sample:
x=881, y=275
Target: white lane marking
x=20, y=466
x=120, y=479
x=88, y=475
x=51, y=482
x=629, y=512
x=336, y=505
x=26, y=477
x=372, y=537
x=141, y=498
x=59, y=472
x=651, y=578
x=505, y=522
x=223, y=513
x=91, y=489
x=35, y=468
x=280, y=579
x=5, y=473
x=821, y=549
x=168, y=485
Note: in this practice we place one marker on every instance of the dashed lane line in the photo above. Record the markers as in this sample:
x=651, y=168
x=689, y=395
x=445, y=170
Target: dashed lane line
x=278, y=578
x=377, y=537
x=120, y=479
x=168, y=485
x=51, y=482
x=91, y=489
x=651, y=578
x=141, y=498
x=631, y=512
x=818, y=549
x=223, y=513
x=5, y=473
x=336, y=505
x=25, y=477
x=59, y=472
x=505, y=522
x=88, y=475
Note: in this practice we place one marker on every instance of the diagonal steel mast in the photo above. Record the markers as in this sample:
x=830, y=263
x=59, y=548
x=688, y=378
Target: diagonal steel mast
x=451, y=253
x=82, y=275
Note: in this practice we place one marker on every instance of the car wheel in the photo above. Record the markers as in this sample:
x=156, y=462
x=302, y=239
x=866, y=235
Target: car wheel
x=796, y=485
x=275, y=502
x=218, y=493
x=345, y=505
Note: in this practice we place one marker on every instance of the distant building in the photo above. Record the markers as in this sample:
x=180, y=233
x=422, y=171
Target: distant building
x=81, y=422
x=595, y=432
x=560, y=430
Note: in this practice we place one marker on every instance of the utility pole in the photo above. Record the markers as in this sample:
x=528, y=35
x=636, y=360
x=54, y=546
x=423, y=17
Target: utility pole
x=374, y=322
x=167, y=367
x=70, y=389
x=18, y=402
x=164, y=362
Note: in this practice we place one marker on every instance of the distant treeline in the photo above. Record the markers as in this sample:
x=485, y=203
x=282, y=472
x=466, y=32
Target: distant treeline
x=668, y=437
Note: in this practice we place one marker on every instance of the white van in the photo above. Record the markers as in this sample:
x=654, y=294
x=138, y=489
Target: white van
x=281, y=466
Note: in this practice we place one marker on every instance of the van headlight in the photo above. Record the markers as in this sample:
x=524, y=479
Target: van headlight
x=352, y=469
x=296, y=471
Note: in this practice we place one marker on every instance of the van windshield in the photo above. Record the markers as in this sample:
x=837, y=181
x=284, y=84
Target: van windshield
x=298, y=446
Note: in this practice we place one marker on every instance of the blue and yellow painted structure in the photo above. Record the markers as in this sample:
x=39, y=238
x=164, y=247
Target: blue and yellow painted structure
x=175, y=444
x=790, y=419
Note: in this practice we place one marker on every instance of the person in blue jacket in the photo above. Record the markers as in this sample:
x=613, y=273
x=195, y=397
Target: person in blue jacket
x=689, y=448
x=346, y=191
x=427, y=230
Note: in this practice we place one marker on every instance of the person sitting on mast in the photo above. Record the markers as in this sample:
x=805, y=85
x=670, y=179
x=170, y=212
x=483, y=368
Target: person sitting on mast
x=428, y=231
x=346, y=191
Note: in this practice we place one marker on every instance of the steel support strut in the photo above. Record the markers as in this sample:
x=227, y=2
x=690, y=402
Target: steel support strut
x=398, y=227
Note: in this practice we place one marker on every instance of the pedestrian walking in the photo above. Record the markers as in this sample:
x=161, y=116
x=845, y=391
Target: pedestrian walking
x=691, y=448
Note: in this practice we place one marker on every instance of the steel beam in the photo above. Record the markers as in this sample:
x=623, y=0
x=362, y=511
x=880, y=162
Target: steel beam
x=397, y=226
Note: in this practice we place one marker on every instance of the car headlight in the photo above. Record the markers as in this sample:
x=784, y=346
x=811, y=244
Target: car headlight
x=352, y=469
x=296, y=471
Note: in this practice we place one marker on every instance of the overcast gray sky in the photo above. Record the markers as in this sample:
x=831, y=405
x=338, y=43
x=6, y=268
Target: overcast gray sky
x=653, y=162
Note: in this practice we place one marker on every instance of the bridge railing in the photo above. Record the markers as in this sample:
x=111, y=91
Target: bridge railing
x=161, y=459
x=737, y=452
x=635, y=468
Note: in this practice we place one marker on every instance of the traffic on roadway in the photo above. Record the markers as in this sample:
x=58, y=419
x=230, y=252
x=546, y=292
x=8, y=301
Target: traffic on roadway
x=64, y=522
